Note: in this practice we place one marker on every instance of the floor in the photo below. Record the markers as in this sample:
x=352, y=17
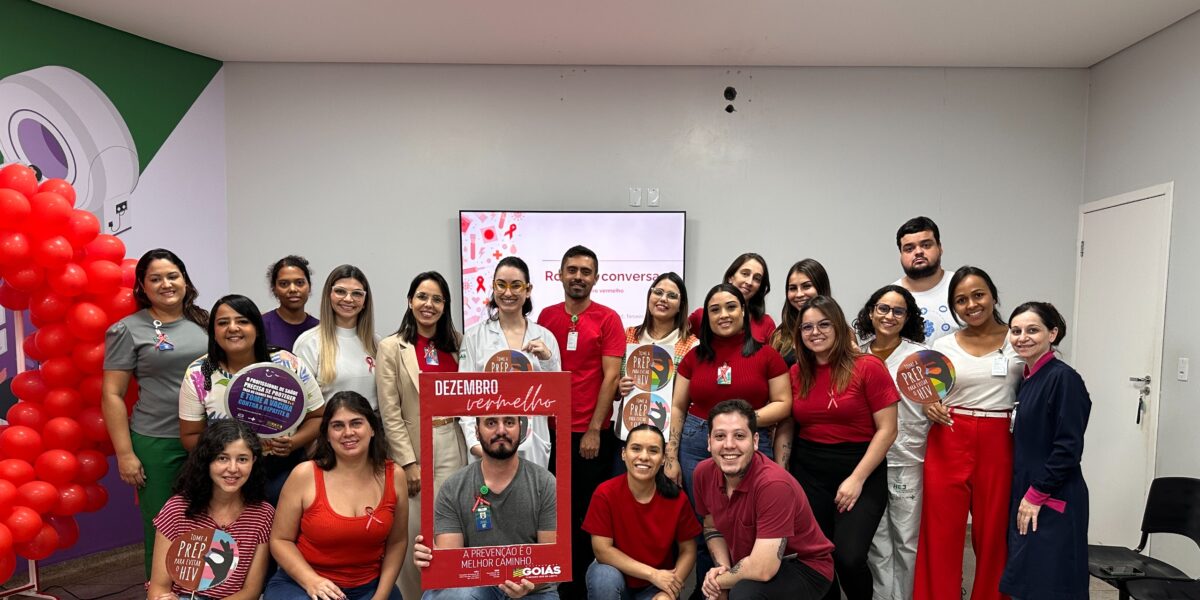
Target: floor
x=118, y=575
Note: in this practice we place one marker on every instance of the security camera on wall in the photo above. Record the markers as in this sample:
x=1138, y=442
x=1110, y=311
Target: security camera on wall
x=60, y=123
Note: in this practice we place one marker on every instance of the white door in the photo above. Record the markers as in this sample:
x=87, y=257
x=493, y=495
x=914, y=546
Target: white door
x=1120, y=298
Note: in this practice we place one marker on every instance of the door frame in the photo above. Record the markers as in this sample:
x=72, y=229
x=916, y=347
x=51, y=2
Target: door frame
x=1166, y=191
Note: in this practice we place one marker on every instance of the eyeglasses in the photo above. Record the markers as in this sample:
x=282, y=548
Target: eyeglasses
x=423, y=297
x=824, y=327
x=503, y=286
x=660, y=293
x=882, y=310
x=356, y=295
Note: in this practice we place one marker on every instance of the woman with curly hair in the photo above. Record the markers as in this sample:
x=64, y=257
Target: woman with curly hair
x=222, y=486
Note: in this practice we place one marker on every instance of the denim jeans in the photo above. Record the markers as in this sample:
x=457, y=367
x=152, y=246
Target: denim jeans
x=282, y=587
x=606, y=582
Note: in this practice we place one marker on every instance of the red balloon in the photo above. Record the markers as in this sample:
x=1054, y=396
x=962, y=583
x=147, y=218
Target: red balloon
x=104, y=277
x=92, y=465
x=87, y=321
x=6, y=541
x=60, y=187
x=63, y=433
x=53, y=252
x=27, y=278
x=19, y=178
x=14, y=247
x=38, y=495
x=119, y=305
x=72, y=499
x=97, y=497
x=62, y=402
x=89, y=358
x=8, y=564
x=106, y=247
x=16, y=471
x=46, y=307
x=23, y=443
x=29, y=345
x=60, y=372
x=24, y=523
x=49, y=214
x=90, y=389
x=12, y=298
x=129, y=272
x=91, y=420
x=26, y=414
x=54, y=341
x=67, y=528
x=42, y=545
x=14, y=209
x=56, y=466
x=8, y=498
x=105, y=447
x=68, y=280
x=30, y=386
x=82, y=227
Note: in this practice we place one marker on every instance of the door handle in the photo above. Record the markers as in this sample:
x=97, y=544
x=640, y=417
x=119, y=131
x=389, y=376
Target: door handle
x=1145, y=380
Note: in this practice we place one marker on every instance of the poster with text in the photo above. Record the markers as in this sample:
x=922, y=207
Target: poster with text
x=652, y=369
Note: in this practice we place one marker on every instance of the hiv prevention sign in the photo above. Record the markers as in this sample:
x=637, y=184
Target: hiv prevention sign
x=482, y=394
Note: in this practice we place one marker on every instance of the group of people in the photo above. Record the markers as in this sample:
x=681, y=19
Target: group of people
x=791, y=468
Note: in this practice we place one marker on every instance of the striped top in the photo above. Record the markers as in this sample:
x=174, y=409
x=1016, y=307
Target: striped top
x=251, y=528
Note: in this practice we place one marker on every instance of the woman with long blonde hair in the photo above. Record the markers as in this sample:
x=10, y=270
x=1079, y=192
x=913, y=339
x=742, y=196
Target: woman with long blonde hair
x=341, y=349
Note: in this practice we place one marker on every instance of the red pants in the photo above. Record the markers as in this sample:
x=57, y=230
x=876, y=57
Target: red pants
x=968, y=467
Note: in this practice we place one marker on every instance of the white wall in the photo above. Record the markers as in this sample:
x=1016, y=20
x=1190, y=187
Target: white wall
x=1144, y=129
x=369, y=164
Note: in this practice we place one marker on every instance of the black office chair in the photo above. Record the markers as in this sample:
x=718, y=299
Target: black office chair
x=1148, y=588
x=1173, y=506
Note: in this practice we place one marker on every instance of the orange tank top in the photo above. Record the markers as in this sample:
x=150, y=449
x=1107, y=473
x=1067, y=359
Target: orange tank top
x=347, y=550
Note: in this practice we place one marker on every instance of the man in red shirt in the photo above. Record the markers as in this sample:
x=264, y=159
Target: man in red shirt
x=592, y=341
x=757, y=522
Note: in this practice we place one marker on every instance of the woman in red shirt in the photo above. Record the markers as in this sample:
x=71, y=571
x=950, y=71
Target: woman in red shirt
x=844, y=421
x=341, y=527
x=748, y=273
x=643, y=529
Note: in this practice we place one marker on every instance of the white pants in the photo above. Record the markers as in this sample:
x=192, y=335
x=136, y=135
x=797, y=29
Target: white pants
x=893, y=554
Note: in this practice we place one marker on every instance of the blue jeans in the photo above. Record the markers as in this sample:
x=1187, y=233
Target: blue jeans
x=481, y=593
x=282, y=587
x=606, y=582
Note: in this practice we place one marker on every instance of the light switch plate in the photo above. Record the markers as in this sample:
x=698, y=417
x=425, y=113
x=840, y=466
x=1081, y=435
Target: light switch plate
x=1182, y=374
x=635, y=196
x=652, y=197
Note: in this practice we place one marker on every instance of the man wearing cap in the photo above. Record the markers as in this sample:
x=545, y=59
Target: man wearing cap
x=499, y=501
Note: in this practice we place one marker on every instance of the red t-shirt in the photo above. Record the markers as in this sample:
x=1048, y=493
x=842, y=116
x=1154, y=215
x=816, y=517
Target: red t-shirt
x=646, y=532
x=600, y=334
x=748, y=375
x=828, y=418
x=346, y=550
x=768, y=503
x=446, y=362
x=761, y=329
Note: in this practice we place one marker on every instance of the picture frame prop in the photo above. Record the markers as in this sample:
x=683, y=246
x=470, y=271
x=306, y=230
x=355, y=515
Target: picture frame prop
x=652, y=368
x=501, y=393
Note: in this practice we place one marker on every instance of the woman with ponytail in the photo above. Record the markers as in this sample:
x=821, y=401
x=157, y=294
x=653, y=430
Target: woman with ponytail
x=643, y=528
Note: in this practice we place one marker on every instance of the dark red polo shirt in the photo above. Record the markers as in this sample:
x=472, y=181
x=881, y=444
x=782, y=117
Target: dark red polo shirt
x=768, y=503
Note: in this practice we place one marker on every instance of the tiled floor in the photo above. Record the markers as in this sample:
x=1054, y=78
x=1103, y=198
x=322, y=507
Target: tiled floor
x=118, y=575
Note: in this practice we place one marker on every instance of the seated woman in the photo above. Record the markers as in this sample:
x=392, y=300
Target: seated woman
x=236, y=340
x=221, y=486
x=341, y=527
x=643, y=528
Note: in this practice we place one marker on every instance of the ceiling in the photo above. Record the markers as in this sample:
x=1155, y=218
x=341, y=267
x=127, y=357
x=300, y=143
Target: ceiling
x=952, y=33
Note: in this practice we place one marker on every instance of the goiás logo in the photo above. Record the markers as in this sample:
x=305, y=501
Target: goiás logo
x=547, y=571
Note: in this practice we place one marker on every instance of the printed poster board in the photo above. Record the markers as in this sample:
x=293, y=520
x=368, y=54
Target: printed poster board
x=652, y=368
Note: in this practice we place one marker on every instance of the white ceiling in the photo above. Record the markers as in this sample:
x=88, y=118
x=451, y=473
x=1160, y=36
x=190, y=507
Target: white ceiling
x=954, y=33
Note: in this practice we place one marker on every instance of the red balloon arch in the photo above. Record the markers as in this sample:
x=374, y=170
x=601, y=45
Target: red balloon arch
x=75, y=282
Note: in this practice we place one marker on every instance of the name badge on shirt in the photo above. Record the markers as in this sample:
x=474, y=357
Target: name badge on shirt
x=725, y=375
x=483, y=517
x=1000, y=366
x=573, y=341
x=431, y=356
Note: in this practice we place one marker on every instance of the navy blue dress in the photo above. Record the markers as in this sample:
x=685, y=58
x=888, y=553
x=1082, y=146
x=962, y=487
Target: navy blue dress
x=1050, y=563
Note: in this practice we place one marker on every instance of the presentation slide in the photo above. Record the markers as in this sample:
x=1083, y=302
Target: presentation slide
x=633, y=248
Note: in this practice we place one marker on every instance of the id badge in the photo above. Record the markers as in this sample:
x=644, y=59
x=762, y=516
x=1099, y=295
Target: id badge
x=1000, y=366
x=573, y=341
x=483, y=517
x=724, y=375
x=431, y=356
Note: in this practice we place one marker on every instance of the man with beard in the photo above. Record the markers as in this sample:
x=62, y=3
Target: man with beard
x=920, y=245
x=499, y=501
x=591, y=339
x=757, y=521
